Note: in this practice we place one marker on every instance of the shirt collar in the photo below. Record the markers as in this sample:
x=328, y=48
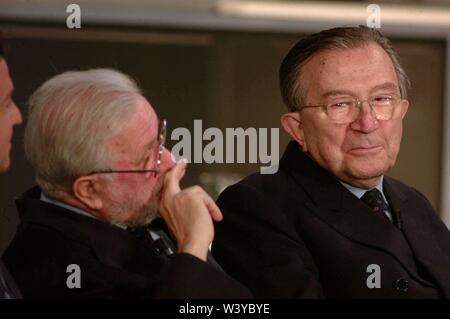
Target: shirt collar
x=48, y=199
x=359, y=192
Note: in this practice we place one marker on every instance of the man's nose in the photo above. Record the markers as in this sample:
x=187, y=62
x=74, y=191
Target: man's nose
x=17, y=115
x=366, y=121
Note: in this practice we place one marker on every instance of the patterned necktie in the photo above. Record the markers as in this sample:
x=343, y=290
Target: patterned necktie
x=374, y=199
x=161, y=243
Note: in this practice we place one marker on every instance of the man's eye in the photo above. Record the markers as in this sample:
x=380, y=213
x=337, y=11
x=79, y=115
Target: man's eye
x=383, y=99
x=340, y=105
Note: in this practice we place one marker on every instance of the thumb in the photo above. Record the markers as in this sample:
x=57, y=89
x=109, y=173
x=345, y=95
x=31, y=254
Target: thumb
x=174, y=176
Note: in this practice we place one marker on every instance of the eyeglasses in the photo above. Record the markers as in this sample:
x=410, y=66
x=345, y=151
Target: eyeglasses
x=155, y=170
x=346, y=110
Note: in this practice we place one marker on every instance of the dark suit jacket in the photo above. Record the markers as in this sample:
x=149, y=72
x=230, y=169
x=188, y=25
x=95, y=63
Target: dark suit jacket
x=8, y=288
x=114, y=263
x=300, y=233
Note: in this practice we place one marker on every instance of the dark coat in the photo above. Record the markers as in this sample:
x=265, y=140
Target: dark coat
x=114, y=263
x=300, y=233
x=8, y=288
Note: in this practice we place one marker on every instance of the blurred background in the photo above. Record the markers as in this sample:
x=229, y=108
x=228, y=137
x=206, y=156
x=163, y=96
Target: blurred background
x=218, y=61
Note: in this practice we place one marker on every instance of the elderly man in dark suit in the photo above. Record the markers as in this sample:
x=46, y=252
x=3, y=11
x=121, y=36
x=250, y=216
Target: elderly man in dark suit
x=329, y=223
x=9, y=117
x=92, y=227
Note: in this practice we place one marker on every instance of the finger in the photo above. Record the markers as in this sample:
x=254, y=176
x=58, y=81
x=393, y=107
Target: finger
x=172, y=179
x=195, y=190
x=213, y=209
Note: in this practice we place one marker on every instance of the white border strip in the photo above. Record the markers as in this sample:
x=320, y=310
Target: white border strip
x=445, y=179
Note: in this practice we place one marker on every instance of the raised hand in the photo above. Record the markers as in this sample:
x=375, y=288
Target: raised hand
x=189, y=213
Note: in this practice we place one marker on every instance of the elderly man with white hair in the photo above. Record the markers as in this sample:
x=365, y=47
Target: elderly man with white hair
x=92, y=227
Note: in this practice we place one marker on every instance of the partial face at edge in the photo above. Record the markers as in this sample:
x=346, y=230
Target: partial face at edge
x=9, y=115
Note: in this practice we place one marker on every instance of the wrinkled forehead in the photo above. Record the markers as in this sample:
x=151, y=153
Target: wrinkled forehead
x=359, y=69
x=148, y=115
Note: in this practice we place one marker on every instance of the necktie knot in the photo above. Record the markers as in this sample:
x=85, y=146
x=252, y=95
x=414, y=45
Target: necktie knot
x=374, y=199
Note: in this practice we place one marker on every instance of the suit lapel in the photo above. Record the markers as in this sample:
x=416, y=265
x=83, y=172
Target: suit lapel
x=343, y=211
x=417, y=232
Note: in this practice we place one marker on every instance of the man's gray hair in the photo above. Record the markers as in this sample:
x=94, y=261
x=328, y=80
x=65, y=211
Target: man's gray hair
x=70, y=117
x=291, y=82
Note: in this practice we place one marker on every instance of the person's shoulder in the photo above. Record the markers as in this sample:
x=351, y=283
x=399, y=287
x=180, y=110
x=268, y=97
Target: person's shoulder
x=262, y=183
x=406, y=191
x=44, y=234
x=47, y=234
x=42, y=246
x=257, y=194
x=414, y=201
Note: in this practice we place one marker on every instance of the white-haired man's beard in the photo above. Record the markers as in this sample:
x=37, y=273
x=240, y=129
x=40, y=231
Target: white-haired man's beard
x=131, y=212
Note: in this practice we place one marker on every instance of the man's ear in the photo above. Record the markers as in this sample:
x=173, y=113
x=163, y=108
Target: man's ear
x=293, y=125
x=87, y=190
x=405, y=107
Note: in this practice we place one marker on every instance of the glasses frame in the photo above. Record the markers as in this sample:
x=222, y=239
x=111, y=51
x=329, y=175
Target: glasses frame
x=359, y=104
x=162, y=140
